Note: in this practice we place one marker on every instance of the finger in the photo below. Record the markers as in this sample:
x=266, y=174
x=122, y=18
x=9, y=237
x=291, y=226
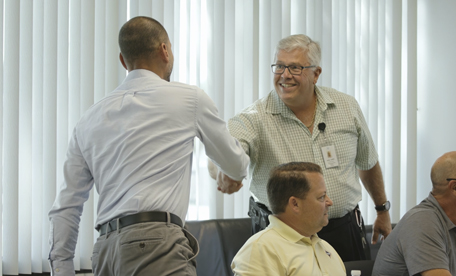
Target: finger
x=236, y=188
x=374, y=237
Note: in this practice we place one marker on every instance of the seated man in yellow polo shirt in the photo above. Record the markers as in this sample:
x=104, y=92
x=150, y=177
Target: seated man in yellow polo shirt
x=290, y=245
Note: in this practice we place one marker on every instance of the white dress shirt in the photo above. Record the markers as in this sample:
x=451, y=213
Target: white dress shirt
x=136, y=146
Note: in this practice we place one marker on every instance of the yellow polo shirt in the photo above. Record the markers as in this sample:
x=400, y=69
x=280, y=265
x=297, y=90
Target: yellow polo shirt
x=280, y=250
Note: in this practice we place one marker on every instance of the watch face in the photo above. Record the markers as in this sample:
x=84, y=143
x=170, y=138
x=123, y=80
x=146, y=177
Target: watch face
x=387, y=205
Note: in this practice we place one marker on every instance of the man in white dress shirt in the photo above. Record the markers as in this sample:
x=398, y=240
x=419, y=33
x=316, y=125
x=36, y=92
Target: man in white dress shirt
x=136, y=146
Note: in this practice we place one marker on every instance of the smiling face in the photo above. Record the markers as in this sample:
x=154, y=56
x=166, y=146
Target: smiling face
x=314, y=207
x=294, y=90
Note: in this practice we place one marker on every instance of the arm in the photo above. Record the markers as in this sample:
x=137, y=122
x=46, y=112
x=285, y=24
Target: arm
x=373, y=182
x=436, y=272
x=67, y=209
x=224, y=150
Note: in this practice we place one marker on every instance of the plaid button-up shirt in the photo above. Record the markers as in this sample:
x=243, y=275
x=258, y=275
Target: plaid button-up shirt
x=271, y=135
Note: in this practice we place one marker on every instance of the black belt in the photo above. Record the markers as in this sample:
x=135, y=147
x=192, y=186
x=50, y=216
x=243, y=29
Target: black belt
x=138, y=218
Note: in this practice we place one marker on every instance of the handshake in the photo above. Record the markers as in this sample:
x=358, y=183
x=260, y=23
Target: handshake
x=225, y=184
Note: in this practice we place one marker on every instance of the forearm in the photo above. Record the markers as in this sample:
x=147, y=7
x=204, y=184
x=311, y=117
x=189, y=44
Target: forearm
x=63, y=238
x=436, y=272
x=373, y=182
x=213, y=169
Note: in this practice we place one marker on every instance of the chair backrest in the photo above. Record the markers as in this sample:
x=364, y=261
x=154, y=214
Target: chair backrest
x=219, y=240
x=365, y=267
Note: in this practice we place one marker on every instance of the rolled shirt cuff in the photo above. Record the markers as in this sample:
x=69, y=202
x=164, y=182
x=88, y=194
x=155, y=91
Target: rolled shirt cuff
x=62, y=268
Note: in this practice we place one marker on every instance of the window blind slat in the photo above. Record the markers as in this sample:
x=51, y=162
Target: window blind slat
x=11, y=138
x=25, y=137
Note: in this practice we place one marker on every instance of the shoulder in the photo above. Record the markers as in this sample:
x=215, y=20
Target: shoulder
x=331, y=95
x=256, y=108
x=251, y=115
x=183, y=88
x=411, y=226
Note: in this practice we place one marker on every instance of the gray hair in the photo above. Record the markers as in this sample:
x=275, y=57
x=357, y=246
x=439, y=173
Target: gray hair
x=303, y=42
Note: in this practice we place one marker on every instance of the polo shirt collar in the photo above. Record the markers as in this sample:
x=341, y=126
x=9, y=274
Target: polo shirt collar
x=289, y=233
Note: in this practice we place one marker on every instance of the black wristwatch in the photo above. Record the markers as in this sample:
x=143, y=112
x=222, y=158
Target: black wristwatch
x=384, y=207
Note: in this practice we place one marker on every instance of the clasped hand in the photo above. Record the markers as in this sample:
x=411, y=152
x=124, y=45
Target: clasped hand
x=227, y=185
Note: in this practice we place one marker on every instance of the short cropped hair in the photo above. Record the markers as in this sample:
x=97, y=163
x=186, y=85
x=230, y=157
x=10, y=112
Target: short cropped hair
x=289, y=180
x=303, y=42
x=140, y=37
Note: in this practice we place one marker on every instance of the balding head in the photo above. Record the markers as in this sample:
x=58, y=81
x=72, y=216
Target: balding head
x=443, y=168
x=141, y=37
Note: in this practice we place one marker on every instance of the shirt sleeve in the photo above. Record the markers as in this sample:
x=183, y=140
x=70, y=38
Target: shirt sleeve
x=223, y=149
x=367, y=155
x=424, y=247
x=67, y=209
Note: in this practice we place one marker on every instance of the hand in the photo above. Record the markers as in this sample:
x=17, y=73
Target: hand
x=227, y=185
x=382, y=226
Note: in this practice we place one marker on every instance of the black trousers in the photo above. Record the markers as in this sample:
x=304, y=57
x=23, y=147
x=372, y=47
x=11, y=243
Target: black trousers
x=346, y=234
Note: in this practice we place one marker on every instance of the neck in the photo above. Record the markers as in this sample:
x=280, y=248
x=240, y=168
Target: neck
x=293, y=222
x=153, y=66
x=305, y=104
x=307, y=111
x=448, y=205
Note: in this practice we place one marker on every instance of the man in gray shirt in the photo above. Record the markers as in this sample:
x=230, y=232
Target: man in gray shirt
x=424, y=240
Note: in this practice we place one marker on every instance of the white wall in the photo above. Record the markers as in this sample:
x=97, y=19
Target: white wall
x=436, y=86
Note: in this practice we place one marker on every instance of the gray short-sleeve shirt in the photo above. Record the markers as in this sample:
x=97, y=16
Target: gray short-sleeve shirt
x=424, y=239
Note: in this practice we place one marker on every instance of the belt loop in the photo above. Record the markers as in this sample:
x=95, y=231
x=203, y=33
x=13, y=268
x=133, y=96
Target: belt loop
x=168, y=218
x=107, y=229
x=118, y=226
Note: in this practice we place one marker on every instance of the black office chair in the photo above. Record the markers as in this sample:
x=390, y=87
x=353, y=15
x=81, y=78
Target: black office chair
x=365, y=267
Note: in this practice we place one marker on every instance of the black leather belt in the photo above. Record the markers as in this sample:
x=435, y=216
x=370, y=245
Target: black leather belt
x=138, y=218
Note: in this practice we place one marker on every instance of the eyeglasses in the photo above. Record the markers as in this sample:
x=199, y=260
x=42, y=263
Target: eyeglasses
x=293, y=69
x=449, y=179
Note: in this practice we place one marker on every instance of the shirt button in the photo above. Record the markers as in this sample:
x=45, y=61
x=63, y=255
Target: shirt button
x=57, y=270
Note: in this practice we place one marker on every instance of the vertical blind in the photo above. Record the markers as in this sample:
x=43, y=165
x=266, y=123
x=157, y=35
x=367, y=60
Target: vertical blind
x=60, y=57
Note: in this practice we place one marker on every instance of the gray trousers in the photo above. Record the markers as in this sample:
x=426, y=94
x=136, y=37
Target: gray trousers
x=152, y=248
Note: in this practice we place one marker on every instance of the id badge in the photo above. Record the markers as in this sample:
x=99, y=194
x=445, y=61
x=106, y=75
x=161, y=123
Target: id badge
x=330, y=156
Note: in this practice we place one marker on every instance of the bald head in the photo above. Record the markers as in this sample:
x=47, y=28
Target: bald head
x=140, y=38
x=443, y=168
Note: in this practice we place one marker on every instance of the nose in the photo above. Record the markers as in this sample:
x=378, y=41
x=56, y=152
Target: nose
x=329, y=202
x=286, y=73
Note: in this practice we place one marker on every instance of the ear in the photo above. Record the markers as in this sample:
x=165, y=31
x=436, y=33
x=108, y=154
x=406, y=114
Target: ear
x=293, y=203
x=164, y=51
x=453, y=186
x=317, y=73
x=122, y=61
